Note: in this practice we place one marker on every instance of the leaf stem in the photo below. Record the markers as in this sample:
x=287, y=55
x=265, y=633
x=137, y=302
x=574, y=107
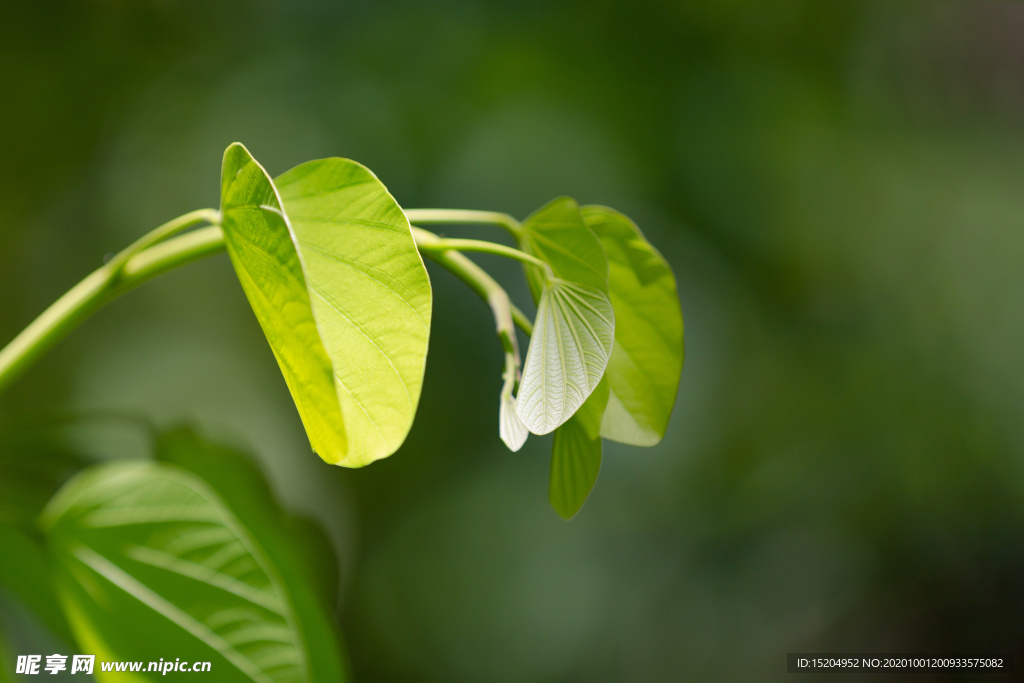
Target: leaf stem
x=159, y=251
x=461, y=216
x=506, y=316
x=436, y=243
x=168, y=229
x=129, y=268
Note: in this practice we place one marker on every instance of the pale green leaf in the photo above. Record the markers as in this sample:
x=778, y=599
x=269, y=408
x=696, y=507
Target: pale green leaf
x=643, y=373
x=155, y=547
x=511, y=429
x=262, y=250
x=327, y=260
x=569, y=350
x=576, y=455
x=370, y=294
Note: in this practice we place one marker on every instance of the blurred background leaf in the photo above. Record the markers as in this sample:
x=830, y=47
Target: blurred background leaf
x=149, y=561
x=835, y=185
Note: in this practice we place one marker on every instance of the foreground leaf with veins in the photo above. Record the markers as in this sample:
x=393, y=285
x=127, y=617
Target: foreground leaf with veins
x=569, y=350
x=327, y=260
x=151, y=563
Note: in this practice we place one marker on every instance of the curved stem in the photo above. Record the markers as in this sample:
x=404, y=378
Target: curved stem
x=480, y=282
x=128, y=269
x=460, y=216
x=168, y=229
x=158, y=252
x=522, y=321
x=435, y=243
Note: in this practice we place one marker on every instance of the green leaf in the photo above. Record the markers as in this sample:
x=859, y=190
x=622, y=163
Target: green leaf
x=643, y=373
x=569, y=350
x=24, y=573
x=32, y=468
x=153, y=546
x=558, y=235
x=329, y=265
x=576, y=455
x=302, y=550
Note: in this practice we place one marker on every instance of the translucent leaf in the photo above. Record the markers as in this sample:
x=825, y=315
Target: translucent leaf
x=327, y=260
x=154, y=546
x=511, y=429
x=569, y=350
x=643, y=373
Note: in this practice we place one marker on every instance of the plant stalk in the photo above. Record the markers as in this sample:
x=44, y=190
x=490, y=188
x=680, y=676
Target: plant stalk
x=159, y=251
x=479, y=281
x=464, y=217
x=128, y=269
x=435, y=243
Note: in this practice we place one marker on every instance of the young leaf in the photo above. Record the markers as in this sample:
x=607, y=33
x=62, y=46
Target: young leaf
x=557, y=234
x=569, y=350
x=643, y=373
x=576, y=455
x=575, y=323
x=511, y=429
x=327, y=260
x=154, y=546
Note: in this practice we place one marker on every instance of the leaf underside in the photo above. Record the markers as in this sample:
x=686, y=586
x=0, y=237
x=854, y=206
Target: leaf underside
x=510, y=428
x=569, y=350
x=575, y=323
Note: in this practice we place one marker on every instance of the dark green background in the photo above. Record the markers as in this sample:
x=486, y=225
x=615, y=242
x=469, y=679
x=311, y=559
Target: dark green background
x=838, y=186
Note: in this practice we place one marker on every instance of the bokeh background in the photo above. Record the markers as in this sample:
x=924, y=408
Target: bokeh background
x=838, y=186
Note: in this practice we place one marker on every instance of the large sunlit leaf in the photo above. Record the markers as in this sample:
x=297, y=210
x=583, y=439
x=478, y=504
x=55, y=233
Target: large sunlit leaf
x=370, y=294
x=643, y=373
x=151, y=562
x=576, y=455
x=569, y=350
x=327, y=260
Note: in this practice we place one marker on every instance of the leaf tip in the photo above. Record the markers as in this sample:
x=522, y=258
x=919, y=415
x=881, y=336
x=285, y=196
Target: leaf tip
x=511, y=429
